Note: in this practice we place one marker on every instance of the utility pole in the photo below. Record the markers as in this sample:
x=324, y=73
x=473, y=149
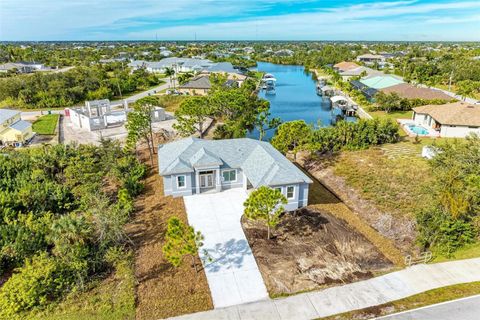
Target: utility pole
x=450, y=81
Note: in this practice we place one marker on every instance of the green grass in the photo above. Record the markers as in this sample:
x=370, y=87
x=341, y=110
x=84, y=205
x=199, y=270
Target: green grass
x=392, y=115
x=396, y=183
x=416, y=301
x=111, y=298
x=46, y=124
x=467, y=252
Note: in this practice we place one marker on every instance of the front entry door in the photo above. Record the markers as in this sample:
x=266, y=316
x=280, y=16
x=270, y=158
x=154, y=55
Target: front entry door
x=206, y=180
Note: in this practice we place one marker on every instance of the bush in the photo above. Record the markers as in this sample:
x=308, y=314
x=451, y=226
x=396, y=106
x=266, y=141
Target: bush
x=40, y=281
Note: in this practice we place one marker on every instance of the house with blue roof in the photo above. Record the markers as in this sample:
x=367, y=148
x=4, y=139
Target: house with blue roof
x=194, y=166
x=13, y=130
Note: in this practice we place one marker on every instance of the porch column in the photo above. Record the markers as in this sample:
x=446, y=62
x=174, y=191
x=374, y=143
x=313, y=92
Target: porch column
x=218, y=184
x=197, y=182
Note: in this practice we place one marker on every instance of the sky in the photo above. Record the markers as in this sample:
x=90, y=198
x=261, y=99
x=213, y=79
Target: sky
x=396, y=20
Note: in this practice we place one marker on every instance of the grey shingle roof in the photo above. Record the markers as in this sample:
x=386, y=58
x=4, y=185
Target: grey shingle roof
x=202, y=82
x=261, y=163
x=7, y=114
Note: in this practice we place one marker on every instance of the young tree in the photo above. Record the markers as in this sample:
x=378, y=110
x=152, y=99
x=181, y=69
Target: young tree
x=139, y=123
x=292, y=136
x=181, y=241
x=265, y=204
x=388, y=102
x=263, y=123
x=191, y=115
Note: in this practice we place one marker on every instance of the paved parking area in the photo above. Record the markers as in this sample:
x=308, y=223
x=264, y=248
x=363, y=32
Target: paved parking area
x=232, y=273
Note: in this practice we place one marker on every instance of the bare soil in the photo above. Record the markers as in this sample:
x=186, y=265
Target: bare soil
x=312, y=249
x=162, y=291
x=397, y=228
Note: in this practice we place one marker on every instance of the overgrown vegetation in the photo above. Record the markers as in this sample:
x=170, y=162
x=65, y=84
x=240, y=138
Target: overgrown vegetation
x=73, y=86
x=63, y=209
x=393, y=102
x=453, y=219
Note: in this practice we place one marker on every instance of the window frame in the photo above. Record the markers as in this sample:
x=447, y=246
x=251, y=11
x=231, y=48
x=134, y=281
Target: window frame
x=229, y=172
x=279, y=189
x=184, y=181
x=293, y=192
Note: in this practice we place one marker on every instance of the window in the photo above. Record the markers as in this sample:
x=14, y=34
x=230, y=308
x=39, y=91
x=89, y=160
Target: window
x=181, y=182
x=278, y=188
x=290, y=192
x=229, y=175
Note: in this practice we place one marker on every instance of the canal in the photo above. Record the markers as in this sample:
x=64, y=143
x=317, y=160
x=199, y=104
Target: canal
x=295, y=96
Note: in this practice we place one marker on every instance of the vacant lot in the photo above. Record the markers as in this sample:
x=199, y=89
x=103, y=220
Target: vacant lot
x=384, y=186
x=162, y=290
x=46, y=124
x=312, y=249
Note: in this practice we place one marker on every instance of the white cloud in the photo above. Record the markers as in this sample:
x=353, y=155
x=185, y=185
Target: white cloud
x=126, y=19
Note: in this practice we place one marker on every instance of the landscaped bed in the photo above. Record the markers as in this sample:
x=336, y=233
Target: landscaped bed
x=311, y=250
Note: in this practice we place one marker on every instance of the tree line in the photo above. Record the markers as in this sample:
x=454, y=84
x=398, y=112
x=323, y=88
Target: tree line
x=72, y=87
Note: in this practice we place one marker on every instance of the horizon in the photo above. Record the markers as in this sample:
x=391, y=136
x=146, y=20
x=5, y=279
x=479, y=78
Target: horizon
x=223, y=20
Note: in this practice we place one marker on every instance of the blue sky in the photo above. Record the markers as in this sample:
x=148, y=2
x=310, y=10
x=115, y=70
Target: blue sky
x=408, y=20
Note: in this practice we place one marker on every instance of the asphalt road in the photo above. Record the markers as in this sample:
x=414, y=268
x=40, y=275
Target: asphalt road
x=461, y=309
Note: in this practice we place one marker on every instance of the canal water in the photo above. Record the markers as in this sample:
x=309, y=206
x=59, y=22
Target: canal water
x=295, y=98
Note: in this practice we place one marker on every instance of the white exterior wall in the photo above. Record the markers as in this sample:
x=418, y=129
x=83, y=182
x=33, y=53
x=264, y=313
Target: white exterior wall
x=457, y=131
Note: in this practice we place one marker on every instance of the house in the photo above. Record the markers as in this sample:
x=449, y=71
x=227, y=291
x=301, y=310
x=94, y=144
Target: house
x=178, y=64
x=457, y=119
x=198, y=86
x=359, y=72
x=344, y=66
x=368, y=92
x=13, y=130
x=371, y=59
x=194, y=166
x=98, y=115
x=381, y=81
x=22, y=67
x=408, y=91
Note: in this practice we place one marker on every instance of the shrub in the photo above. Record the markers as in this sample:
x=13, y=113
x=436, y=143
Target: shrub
x=41, y=280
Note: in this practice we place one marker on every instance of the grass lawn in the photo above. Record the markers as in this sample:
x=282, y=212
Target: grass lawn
x=171, y=102
x=417, y=301
x=46, y=124
x=392, y=115
x=396, y=183
x=467, y=252
x=111, y=298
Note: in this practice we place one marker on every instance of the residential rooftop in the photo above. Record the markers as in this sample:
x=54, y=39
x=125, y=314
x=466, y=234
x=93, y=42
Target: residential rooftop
x=259, y=161
x=457, y=113
x=406, y=90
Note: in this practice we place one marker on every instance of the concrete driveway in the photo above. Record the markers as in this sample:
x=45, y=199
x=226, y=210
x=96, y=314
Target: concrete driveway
x=232, y=274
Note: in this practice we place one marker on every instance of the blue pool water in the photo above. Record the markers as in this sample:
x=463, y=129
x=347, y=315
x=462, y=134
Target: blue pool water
x=296, y=97
x=421, y=131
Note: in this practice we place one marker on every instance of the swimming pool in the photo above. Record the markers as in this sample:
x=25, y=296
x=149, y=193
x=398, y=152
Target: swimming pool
x=421, y=131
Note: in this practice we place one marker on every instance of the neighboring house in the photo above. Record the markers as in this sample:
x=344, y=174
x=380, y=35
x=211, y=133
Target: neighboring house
x=457, y=119
x=359, y=72
x=98, y=115
x=178, y=64
x=344, y=66
x=381, y=81
x=22, y=67
x=193, y=166
x=368, y=92
x=13, y=130
x=408, y=91
x=371, y=59
x=198, y=86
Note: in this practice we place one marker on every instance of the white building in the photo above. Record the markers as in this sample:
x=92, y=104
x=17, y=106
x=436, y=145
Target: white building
x=457, y=119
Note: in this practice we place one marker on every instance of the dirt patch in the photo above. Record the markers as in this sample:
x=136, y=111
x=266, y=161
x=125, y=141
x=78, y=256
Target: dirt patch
x=312, y=249
x=162, y=291
x=399, y=229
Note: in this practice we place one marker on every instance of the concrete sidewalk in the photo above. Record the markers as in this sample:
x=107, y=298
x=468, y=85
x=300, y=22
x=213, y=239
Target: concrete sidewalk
x=359, y=295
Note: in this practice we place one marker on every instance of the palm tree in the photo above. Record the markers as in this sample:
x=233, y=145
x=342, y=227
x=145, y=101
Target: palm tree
x=170, y=72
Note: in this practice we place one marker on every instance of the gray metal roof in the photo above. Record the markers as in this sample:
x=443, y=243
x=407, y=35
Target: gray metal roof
x=7, y=114
x=261, y=163
x=21, y=125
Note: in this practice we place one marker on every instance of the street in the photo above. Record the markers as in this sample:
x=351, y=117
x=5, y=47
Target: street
x=461, y=309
